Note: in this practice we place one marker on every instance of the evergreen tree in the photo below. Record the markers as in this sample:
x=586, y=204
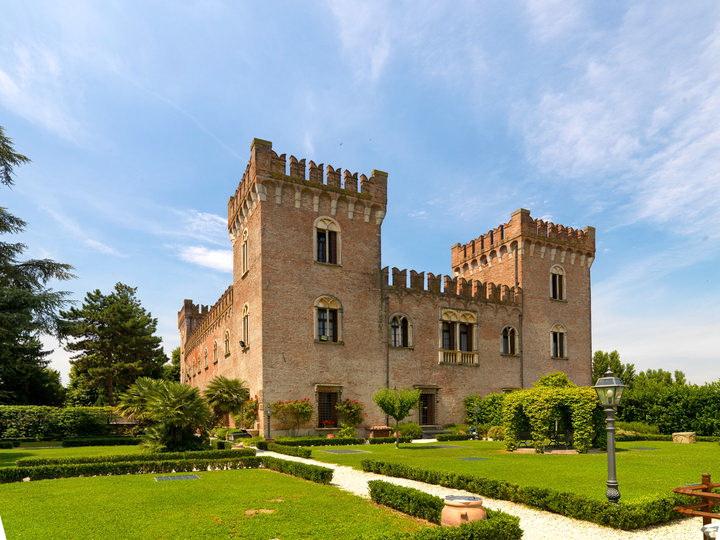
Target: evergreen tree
x=28, y=307
x=603, y=360
x=171, y=370
x=113, y=338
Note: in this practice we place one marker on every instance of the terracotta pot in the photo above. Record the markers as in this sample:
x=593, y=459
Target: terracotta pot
x=459, y=510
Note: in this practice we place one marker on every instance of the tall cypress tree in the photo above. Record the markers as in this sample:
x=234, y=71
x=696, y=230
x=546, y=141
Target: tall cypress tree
x=113, y=338
x=28, y=307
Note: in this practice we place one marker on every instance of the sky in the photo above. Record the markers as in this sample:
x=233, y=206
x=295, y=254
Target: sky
x=138, y=117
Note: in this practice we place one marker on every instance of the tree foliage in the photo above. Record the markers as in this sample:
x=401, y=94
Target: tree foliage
x=113, y=338
x=291, y=414
x=225, y=397
x=176, y=415
x=28, y=306
x=171, y=370
x=397, y=404
x=602, y=361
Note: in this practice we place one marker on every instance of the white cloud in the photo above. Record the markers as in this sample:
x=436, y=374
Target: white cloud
x=550, y=19
x=80, y=233
x=217, y=259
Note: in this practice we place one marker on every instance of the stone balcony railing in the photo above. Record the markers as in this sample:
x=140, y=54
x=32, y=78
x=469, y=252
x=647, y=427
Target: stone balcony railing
x=465, y=358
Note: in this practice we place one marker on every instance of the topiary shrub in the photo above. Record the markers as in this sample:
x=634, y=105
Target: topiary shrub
x=321, y=475
x=409, y=430
x=407, y=500
x=297, y=451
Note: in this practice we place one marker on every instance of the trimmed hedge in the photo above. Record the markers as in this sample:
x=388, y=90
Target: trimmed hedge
x=629, y=437
x=45, y=472
x=261, y=445
x=388, y=440
x=297, y=451
x=318, y=441
x=101, y=441
x=321, y=475
x=13, y=443
x=453, y=437
x=6, y=445
x=125, y=458
x=626, y=516
x=497, y=526
x=43, y=422
x=219, y=444
x=407, y=500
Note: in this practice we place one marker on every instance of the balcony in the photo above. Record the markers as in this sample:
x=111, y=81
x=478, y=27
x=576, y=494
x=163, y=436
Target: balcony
x=464, y=358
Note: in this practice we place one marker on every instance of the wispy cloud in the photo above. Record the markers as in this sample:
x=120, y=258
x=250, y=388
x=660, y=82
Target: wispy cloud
x=550, y=19
x=80, y=233
x=216, y=259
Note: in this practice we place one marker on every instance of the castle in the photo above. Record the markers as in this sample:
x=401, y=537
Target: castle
x=311, y=314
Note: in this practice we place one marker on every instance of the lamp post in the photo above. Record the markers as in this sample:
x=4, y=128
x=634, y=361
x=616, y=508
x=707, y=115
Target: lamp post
x=609, y=390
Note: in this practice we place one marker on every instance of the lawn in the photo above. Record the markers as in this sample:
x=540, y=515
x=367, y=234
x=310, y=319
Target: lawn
x=249, y=504
x=8, y=457
x=644, y=468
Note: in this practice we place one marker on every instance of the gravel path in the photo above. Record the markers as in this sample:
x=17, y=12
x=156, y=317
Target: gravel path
x=536, y=524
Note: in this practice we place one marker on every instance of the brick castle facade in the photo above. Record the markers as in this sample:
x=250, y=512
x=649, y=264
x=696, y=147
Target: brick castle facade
x=311, y=314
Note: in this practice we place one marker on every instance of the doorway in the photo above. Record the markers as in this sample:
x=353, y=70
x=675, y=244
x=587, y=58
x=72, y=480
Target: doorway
x=427, y=409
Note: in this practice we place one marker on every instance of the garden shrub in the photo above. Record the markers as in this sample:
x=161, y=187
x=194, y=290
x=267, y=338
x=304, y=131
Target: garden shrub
x=314, y=473
x=350, y=412
x=621, y=515
x=410, y=429
x=497, y=526
x=297, y=451
x=346, y=432
x=636, y=427
x=44, y=422
x=291, y=414
x=453, y=437
x=481, y=411
x=44, y=472
x=124, y=458
x=388, y=440
x=101, y=441
x=248, y=414
x=317, y=441
x=6, y=445
x=218, y=444
x=261, y=445
x=407, y=500
x=496, y=433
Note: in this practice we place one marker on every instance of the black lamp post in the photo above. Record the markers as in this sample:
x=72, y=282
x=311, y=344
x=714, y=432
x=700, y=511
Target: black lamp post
x=609, y=390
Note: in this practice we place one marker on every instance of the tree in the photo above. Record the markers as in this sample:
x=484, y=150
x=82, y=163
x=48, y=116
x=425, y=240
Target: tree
x=557, y=379
x=291, y=414
x=176, y=415
x=28, y=307
x=113, y=338
x=171, y=370
x=397, y=404
x=225, y=397
x=602, y=361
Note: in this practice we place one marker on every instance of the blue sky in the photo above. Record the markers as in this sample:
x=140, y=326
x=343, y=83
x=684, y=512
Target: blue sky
x=138, y=117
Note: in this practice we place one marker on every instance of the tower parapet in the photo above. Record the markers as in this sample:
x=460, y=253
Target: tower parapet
x=523, y=231
x=197, y=318
x=268, y=174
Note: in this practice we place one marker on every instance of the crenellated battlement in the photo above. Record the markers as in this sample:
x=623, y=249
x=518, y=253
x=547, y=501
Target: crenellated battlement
x=267, y=168
x=522, y=226
x=203, y=317
x=450, y=287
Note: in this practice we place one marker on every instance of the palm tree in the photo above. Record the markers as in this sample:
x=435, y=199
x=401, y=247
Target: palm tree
x=225, y=397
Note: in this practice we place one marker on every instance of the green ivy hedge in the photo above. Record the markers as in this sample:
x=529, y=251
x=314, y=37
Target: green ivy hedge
x=297, y=451
x=43, y=422
x=101, y=441
x=314, y=473
x=407, y=500
x=626, y=516
x=453, y=437
x=319, y=441
x=44, y=472
x=124, y=458
x=388, y=440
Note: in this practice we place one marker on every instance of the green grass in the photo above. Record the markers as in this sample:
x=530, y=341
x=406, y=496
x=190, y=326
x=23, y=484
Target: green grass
x=9, y=457
x=212, y=507
x=641, y=473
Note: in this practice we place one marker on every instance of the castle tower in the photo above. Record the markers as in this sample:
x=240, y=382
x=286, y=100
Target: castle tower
x=306, y=245
x=551, y=263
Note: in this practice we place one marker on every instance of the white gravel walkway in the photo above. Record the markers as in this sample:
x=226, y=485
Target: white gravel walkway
x=536, y=524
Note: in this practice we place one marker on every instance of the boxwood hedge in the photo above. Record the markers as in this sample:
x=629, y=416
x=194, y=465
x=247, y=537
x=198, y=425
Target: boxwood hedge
x=319, y=441
x=297, y=451
x=123, y=458
x=101, y=441
x=321, y=475
x=407, y=500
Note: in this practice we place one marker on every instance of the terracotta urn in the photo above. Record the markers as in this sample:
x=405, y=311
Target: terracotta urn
x=459, y=509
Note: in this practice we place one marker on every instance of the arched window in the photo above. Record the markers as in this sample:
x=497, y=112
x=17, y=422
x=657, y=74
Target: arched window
x=244, y=264
x=400, y=331
x=246, y=326
x=227, y=342
x=215, y=353
x=328, y=319
x=205, y=358
x=327, y=240
x=558, y=342
x=557, y=283
x=509, y=341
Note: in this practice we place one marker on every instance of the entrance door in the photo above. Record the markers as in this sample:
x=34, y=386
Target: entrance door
x=427, y=409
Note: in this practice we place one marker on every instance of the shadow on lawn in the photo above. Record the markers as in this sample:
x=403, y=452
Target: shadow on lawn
x=8, y=459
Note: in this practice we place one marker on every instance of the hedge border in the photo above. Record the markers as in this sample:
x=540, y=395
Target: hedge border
x=627, y=437
x=406, y=500
x=319, y=441
x=314, y=473
x=626, y=516
x=100, y=441
x=453, y=437
x=47, y=472
x=388, y=440
x=127, y=458
x=297, y=451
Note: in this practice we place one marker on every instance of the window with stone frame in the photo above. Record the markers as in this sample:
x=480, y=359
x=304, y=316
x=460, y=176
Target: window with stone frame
x=557, y=283
x=327, y=412
x=458, y=330
x=400, y=331
x=205, y=356
x=509, y=341
x=558, y=342
x=328, y=320
x=327, y=241
x=227, y=343
x=246, y=326
x=244, y=261
x=215, y=352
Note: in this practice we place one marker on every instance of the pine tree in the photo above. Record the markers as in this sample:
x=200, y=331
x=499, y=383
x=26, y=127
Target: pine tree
x=28, y=307
x=113, y=338
x=171, y=370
